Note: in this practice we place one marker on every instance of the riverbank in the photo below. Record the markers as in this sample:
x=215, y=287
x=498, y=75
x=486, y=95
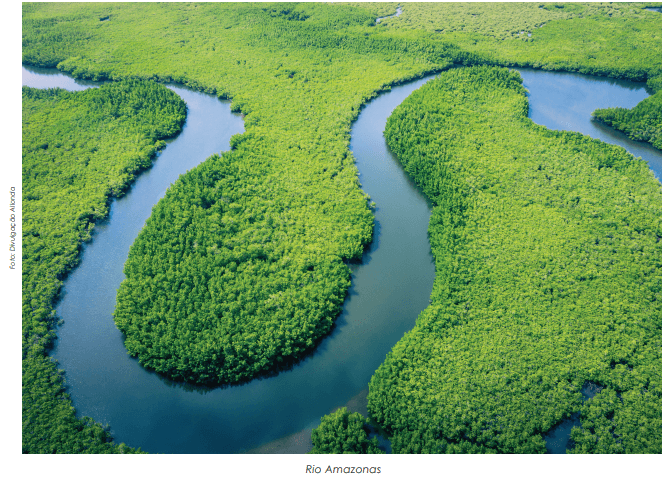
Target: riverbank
x=305, y=70
x=377, y=166
x=544, y=243
x=115, y=391
x=80, y=151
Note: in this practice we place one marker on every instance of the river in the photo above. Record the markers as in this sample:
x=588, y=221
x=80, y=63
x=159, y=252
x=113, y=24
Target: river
x=398, y=12
x=389, y=288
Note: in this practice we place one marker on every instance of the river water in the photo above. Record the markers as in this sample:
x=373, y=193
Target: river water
x=389, y=288
x=563, y=101
x=398, y=12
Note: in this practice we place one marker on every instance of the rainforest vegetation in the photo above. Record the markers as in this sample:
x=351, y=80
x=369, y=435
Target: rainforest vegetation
x=79, y=150
x=342, y=432
x=610, y=39
x=547, y=254
x=240, y=270
x=642, y=123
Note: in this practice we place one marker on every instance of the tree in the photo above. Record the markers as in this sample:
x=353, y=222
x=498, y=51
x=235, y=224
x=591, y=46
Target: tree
x=342, y=432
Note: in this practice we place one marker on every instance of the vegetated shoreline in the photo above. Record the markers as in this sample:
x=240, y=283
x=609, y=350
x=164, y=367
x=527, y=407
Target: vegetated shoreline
x=295, y=441
x=39, y=320
x=74, y=61
x=642, y=123
x=210, y=378
x=387, y=385
x=300, y=442
x=422, y=231
x=398, y=11
x=386, y=88
x=604, y=123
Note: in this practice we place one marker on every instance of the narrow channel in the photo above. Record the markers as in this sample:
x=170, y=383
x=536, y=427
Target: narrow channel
x=389, y=289
x=398, y=12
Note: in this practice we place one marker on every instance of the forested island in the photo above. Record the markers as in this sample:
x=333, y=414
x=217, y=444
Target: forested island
x=546, y=244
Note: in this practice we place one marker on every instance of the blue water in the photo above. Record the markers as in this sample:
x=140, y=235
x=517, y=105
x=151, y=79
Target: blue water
x=389, y=288
x=564, y=101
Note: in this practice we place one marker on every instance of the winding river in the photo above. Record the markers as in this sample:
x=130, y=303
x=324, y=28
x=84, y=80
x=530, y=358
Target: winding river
x=389, y=289
x=398, y=12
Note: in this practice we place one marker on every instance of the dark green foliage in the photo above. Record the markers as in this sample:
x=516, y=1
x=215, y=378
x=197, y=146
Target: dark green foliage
x=548, y=257
x=342, y=432
x=257, y=236
x=643, y=123
x=221, y=285
x=79, y=149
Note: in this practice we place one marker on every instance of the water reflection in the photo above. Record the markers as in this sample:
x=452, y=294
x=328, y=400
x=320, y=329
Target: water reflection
x=564, y=101
x=147, y=411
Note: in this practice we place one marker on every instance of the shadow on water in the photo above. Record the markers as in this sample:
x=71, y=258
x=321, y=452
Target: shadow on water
x=389, y=289
x=45, y=78
x=557, y=439
x=145, y=410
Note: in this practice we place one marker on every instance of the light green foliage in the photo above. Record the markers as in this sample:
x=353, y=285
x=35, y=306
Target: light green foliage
x=496, y=20
x=655, y=83
x=610, y=39
x=548, y=257
x=643, y=123
x=342, y=432
x=258, y=236
x=590, y=38
x=378, y=9
x=240, y=269
x=79, y=149
x=501, y=21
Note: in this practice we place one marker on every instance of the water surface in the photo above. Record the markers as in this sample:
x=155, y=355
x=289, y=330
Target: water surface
x=397, y=13
x=564, y=101
x=389, y=289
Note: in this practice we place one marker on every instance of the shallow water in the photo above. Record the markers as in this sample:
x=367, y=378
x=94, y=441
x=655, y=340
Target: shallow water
x=397, y=13
x=557, y=439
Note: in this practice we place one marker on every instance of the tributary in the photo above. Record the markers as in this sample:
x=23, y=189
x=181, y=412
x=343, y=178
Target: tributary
x=398, y=12
x=389, y=288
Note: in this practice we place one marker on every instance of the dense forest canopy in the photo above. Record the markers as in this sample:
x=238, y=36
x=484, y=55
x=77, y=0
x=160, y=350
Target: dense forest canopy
x=613, y=39
x=547, y=254
x=342, y=432
x=79, y=150
x=642, y=123
x=240, y=270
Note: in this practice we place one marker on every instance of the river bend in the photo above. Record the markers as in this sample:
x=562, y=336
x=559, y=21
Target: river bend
x=389, y=289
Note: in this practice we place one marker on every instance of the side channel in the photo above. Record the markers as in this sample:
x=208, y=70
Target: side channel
x=389, y=289
x=564, y=101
